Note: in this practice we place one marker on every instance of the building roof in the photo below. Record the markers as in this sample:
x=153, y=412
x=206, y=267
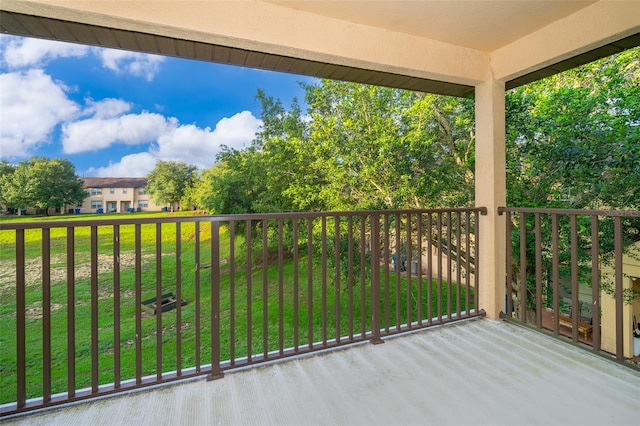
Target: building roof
x=96, y=182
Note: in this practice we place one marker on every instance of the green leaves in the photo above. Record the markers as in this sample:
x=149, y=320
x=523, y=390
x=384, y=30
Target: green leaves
x=169, y=180
x=573, y=140
x=41, y=182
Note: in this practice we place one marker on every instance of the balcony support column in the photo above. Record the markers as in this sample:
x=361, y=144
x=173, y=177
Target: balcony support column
x=490, y=192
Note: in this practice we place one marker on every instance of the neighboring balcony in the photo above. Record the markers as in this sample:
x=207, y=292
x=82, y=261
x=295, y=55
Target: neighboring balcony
x=108, y=306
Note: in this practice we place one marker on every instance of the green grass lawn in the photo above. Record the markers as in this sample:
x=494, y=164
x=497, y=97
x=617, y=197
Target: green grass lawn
x=243, y=292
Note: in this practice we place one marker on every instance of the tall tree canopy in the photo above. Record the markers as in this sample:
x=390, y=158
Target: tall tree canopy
x=572, y=141
x=358, y=147
x=169, y=180
x=42, y=183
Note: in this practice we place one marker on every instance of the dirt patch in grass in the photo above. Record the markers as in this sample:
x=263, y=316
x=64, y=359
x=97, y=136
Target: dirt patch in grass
x=35, y=311
x=58, y=274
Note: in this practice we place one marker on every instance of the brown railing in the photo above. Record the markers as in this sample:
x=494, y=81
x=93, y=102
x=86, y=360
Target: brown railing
x=92, y=307
x=570, y=272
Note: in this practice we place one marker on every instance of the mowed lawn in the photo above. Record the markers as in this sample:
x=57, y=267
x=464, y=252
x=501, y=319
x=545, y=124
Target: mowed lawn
x=251, y=292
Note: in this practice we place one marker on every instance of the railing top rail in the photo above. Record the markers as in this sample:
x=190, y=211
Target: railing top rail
x=222, y=218
x=620, y=213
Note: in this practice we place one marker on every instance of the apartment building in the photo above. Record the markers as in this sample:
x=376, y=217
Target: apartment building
x=115, y=195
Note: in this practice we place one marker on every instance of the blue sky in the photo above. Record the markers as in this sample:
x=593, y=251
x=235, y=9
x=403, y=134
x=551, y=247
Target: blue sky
x=115, y=113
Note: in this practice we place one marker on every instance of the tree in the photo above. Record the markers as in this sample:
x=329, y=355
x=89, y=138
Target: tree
x=573, y=141
x=169, y=180
x=6, y=171
x=43, y=183
x=386, y=148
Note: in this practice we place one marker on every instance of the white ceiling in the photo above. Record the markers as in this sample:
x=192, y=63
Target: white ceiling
x=479, y=24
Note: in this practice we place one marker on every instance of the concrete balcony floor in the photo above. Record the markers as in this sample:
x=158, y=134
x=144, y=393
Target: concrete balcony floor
x=474, y=372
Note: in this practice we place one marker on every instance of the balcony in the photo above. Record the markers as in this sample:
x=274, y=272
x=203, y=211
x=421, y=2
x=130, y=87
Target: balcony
x=281, y=286
x=470, y=372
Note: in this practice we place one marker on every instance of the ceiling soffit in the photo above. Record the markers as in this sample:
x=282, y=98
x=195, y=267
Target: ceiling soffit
x=55, y=29
x=483, y=25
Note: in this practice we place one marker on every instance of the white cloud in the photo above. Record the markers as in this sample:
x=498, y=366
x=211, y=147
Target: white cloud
x=187, y=143
x=32, y=105
x=21, y=52
x=97, y=133
x=24, y=52
x=138, y=64
x=199, y=146
x=106, y=108
x=134, y=165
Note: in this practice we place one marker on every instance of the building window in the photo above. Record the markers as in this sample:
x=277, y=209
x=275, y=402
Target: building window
x=142, y=191
x=112, y=190
x=96, y=204
x=96, y=191
x=79, y=204
x=143, y=204
x=124, y=190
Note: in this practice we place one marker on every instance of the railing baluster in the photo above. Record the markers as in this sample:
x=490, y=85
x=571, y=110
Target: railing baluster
x=387, y=254
x=350, y=278
x=94, y=310
x=375, y=279
x=509, y=290
x=419, y=269
x=265, y=289
x=467, y=264
x=337, y=249
x=138, y=302
x=46, y=315
x=280, y=286
x=158, y=308
x=249, y=311
x=21, y=331
x=575, y=303
x=409, y=286
x=198, y=266
x=310, y=282
x=116, y=307
x=363, y=285
x=555, y=273
x=398, y=270
x=523, y=268
x=232, y=290
x=430, y=268
x=449, y=266
x=595, y=283
x=538, y=300
x=439, y=289
x=617, y=235
x=178, y=299
x=476, y=255
x=216, y=373
x=71, y=303
x=296, y=288
x=458, y=265
x=323, y=239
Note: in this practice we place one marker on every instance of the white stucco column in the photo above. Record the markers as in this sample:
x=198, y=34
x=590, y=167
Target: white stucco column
x=491, y=193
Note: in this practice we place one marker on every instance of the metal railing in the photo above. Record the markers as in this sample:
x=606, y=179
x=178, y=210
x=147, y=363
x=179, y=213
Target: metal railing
x=566, y=274
x=93, y=307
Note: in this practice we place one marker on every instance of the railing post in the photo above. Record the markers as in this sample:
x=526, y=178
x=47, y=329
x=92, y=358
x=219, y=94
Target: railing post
x=215, y=302
x=375, y=279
